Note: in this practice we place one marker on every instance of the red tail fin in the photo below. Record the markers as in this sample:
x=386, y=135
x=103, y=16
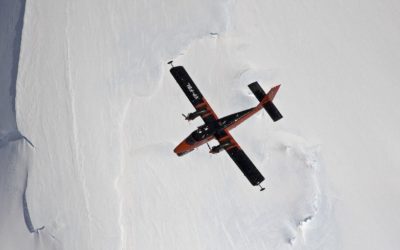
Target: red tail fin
x=271, y=94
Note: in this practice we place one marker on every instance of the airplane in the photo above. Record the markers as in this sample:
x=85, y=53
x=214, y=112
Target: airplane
x=218, y=128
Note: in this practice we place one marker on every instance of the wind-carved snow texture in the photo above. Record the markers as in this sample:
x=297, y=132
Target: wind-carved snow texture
x=13, y=152
x=203, y=202
x=77, y=160
x=117, y=182
x=180, y=26
x=18, y=231
x=13, y=136
x=311, y=161
x=95, y=97
x=74, y=98
x=27, y=217
x=206, y=207
x=11, y=22
x=212, y=203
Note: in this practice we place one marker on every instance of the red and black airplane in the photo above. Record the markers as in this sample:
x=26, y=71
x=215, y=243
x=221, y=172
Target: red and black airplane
x=218, y=128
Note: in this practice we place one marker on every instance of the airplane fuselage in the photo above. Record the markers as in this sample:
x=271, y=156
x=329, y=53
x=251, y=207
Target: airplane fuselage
x=207, y=132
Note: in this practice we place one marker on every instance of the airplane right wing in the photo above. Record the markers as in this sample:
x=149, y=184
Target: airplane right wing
x=240, y=158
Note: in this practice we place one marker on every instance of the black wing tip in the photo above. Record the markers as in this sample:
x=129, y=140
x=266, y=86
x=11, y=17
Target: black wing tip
x=177, y=67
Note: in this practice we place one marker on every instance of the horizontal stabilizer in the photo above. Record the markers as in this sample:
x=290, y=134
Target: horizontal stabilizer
x=273, y=111
x=257, y=90
x=266, y=99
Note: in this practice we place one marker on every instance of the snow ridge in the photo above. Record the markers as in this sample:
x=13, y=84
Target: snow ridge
x=27, y=216
x=77, y=157
x=13, y=136
x=311, y=161
x=118, y=180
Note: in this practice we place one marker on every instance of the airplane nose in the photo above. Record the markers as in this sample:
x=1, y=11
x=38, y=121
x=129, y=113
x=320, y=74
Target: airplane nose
x=182, y=148
x=177, y=151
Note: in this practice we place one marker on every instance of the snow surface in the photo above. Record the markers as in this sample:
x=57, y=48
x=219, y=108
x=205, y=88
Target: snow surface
x=102, y=113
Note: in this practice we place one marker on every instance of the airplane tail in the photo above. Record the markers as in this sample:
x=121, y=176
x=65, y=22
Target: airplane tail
x=266, y=100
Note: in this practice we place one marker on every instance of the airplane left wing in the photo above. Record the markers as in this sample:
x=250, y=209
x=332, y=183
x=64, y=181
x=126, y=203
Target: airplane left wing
x=240, y=158
x=194, y=95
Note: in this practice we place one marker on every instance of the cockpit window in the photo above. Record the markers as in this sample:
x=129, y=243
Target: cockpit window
x=190, y=140
x=201, y=133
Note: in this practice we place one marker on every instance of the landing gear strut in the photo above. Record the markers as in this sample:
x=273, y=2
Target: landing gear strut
x=261, y=187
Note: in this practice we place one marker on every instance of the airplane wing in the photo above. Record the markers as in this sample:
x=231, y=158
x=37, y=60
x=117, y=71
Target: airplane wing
x=193, y=94
x=240, y=158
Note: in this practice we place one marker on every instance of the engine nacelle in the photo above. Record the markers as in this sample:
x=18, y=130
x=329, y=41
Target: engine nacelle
x=220, y=147
x=194, y=115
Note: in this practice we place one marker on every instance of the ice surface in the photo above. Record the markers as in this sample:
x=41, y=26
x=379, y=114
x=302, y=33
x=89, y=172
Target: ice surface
x=95, y=98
